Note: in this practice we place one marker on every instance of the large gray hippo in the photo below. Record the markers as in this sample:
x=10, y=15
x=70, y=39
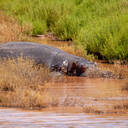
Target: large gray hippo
x=54, y=58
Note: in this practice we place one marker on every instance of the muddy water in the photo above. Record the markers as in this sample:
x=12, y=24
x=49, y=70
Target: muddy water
x=88, y=92
x=11, y=118
x=75, y=102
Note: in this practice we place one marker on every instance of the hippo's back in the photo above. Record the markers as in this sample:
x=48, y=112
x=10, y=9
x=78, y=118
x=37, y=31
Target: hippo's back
x=40, y=53
x=24, y=45
x=28, y=46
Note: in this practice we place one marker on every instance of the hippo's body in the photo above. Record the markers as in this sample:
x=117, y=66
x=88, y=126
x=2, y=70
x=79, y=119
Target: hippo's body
x=54, y=58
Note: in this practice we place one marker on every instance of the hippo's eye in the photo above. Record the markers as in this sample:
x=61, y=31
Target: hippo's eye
x=65, y=63
x=64, y=66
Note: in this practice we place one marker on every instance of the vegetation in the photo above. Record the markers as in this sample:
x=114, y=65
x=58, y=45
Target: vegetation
x=101, y=27
x=22, y=84
x=10, y=30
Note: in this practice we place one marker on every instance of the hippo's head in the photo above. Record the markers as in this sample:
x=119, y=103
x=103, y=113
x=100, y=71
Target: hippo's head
x=76, y=68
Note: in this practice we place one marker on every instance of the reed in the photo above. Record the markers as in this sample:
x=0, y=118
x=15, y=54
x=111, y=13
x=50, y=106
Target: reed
x=22, y=84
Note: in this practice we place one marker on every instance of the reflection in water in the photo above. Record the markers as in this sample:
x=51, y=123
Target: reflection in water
x=99, y=96
x=11, y=118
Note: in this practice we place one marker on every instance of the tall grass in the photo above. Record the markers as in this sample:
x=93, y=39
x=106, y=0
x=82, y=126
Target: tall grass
x=99, y=26
x=22, y=84
x=10, y=30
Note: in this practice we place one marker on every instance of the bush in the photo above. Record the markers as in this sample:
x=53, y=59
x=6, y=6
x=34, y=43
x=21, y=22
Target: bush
x=107, y=38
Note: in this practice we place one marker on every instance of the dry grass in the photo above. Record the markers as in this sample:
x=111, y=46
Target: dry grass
x=22, y=84
x=10, y=30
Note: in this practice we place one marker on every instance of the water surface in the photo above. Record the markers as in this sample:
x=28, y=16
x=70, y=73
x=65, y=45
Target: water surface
x=12, y=118
x=91, y=103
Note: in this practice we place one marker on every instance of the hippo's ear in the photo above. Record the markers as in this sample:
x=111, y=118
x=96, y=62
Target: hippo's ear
x=72, y=68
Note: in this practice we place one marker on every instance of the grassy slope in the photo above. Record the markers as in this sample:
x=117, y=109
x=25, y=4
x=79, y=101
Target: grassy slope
x=101, y=26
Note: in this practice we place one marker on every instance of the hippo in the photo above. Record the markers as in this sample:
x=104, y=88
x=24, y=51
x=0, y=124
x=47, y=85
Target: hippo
x=51, y=57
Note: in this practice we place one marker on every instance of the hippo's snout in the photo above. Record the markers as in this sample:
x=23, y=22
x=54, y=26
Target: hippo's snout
x=76, y=69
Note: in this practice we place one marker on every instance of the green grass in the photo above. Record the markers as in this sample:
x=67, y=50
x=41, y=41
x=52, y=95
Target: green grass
x=99, y=26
